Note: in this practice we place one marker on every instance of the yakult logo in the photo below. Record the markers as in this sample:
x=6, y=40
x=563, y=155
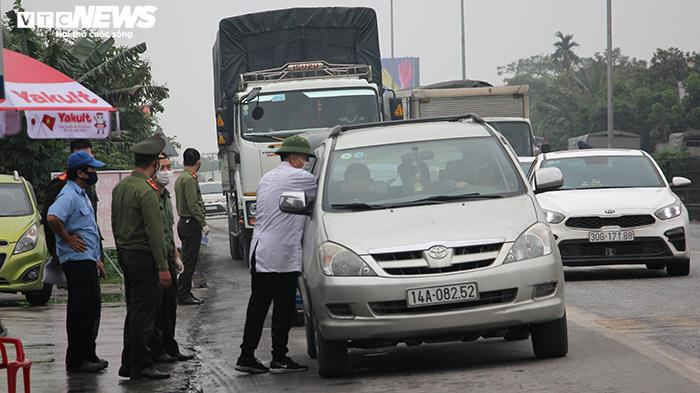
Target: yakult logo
x=92, y=17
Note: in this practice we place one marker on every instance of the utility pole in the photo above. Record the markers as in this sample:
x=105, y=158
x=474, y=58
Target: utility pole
x=2, y=65
x=391, y=13
x=464, y=54
x=610, y=76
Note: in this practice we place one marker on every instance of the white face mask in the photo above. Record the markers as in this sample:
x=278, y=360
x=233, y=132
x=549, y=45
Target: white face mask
x=164, y=177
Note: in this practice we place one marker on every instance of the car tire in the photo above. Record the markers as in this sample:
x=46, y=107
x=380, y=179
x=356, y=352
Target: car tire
x=550, y=339
x=310, y=338
x=678, y=268
x=333, y=359
x=655, y=266
x=40, y=297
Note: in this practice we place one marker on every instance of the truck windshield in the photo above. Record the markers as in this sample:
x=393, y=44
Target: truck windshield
x=308, y=109
x=518, y=134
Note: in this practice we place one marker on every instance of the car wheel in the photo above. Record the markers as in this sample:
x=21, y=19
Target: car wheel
x=310, y=338
x=333, y=359
x=655, y=266
x=550, y=339
x=678, y=268
x=40, y=297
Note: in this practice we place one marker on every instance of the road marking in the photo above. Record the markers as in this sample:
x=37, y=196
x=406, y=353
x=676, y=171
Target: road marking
x=675, y=360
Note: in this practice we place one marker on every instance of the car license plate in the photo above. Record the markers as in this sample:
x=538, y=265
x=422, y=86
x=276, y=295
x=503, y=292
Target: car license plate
x=419, y=297
x=611, y=236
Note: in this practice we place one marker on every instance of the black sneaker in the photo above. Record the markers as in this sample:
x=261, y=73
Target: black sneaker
x=251, y=366
x=286, y=365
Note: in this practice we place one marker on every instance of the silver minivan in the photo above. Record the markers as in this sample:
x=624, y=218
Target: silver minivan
x=425, y=231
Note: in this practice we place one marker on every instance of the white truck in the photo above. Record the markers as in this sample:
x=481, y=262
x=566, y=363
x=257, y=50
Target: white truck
x=281, y=73
x=506, y=108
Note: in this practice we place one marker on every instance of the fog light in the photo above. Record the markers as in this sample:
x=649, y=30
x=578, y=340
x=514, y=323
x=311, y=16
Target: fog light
x=677, y=237
x=341, y=310
x=31, y=275
x=546, y=289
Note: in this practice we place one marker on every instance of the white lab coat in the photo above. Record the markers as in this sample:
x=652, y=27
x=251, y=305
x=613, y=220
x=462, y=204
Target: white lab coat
x=277, y=235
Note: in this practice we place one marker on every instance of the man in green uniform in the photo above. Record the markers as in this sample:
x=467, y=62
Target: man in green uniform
x=138, y=230
x=192, y=223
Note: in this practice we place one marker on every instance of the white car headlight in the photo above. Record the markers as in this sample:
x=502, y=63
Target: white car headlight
x=337, y=260
x=671, y=211
x=535, y=242
x=553, y=217
x=28, y=240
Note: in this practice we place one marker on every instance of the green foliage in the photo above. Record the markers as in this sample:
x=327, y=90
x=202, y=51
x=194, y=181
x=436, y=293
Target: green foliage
x=568, y=94
x=119, y=74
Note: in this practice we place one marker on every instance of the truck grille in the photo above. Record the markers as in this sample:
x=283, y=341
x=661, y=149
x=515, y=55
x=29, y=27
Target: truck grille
x=629, y=221
x=414, y=262
x=485, y=298
x=643, y=247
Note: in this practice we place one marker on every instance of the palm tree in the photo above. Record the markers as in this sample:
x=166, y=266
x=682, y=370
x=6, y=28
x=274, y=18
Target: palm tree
x=564, y=55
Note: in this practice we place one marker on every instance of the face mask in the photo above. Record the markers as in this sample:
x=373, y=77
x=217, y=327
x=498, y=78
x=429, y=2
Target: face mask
x=164, y=177
x=91, y=179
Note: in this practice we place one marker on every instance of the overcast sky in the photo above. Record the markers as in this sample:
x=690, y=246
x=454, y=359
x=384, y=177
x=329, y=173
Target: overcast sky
x=497, y=32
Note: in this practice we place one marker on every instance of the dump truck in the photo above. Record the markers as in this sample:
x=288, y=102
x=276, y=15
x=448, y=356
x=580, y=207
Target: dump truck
x=281, y=73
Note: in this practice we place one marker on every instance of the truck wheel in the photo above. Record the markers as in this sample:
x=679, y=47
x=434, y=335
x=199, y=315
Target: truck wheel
x=550, y=339
x=40, y=297
x=678, y=268
x=333, y=359
x=310, y=337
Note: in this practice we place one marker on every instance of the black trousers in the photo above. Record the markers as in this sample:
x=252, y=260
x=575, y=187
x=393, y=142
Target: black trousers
x=267, y=288
x=142, y=299
x=83, y=312
x=164, y=334
x=190, y=234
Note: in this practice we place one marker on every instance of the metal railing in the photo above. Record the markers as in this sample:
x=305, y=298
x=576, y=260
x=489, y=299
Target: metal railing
x=306, y=70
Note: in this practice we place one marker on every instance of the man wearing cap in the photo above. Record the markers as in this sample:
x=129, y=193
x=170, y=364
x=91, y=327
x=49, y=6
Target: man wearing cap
x=72, y=219
x=275, y=261
x=138, y=230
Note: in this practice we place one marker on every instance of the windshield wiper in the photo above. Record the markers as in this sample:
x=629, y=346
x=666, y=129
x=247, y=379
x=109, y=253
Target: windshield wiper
x=356, y=206
x=272, y=133
x=460, y=197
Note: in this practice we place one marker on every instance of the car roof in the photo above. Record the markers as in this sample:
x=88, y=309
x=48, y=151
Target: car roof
x=409, y=132
x=513, y=119
x=592, y=153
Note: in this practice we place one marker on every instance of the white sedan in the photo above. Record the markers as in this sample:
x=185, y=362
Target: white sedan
x=615, y=207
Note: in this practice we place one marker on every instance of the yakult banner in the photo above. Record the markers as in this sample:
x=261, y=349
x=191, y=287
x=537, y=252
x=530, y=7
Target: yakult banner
x=67, y=125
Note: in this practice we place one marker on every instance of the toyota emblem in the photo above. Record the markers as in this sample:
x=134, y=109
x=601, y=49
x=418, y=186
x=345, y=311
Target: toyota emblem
x=437, y=252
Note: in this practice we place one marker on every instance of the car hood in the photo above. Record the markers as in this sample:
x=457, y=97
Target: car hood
x=577, y=202
x=11, y=228
x=477, y=220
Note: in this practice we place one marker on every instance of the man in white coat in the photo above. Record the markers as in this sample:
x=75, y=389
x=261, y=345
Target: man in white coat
x=275, y=259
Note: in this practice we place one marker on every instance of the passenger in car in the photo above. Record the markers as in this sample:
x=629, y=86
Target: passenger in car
x=414, y=174
x=357, y=184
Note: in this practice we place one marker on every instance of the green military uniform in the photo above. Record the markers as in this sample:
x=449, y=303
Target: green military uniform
x=138, y=230
x=190, y=208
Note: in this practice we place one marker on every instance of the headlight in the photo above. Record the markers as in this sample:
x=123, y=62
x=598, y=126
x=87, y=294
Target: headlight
x=535, y=242
x=670, y=211
x=28, y=241
x=250, y=207
x=337, y=260
x=553, y=217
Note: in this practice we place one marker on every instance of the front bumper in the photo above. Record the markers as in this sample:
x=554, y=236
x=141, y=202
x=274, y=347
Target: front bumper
x=15, y=267
x=664, y=241
x=379, y=312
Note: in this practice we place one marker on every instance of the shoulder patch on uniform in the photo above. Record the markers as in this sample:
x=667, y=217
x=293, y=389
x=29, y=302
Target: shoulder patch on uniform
x=194, y=175
x=152, y=184
x=63, y=176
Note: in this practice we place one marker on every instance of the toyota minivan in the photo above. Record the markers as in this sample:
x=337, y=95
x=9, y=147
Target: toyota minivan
x=425, y=231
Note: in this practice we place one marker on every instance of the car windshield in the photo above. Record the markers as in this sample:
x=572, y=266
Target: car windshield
x=15, y=201
x=606, y=172
x=419, y=172
x=518, y=134
x=298, y=110
x=211, y=188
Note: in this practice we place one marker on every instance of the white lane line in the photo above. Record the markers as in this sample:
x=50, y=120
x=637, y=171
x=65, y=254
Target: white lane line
x=675, y=360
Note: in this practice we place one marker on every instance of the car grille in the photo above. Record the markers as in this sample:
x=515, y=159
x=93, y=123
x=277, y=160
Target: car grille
x=2, y=260
x=413, y=262
x=629, y=221
x=485, y=298
x=642, y=247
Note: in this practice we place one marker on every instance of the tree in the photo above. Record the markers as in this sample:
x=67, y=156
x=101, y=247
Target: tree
x=564, y=55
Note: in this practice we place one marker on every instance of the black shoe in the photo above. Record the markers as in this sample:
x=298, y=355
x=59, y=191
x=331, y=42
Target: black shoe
x=196, y=298
x=188, y=301
x=251, y=366
x=181, y=357
x=103, y=362
x=153, y=373
x=124, y=373
x=286, y=365
x=86, y=367
x=166, y=358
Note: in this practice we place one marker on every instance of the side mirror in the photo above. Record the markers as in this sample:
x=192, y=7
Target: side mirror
x=545, y=148
x=548, y=179
x=388, y=95
x=678, y=181
x=295, y=202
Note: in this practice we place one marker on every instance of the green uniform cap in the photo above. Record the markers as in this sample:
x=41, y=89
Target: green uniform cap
x=295, y=144
x=151, y=146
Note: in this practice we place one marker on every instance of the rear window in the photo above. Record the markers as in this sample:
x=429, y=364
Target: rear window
x=15, y=201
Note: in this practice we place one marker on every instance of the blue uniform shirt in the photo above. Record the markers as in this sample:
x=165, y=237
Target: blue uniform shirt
x=73, y=208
